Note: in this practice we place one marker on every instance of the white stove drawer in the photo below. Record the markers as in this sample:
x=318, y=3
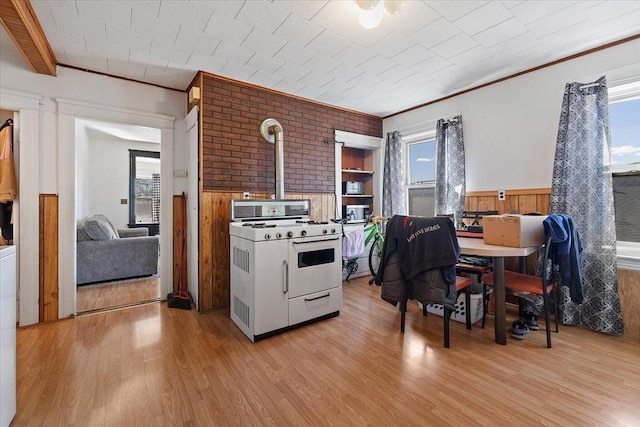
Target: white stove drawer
x=311, y=306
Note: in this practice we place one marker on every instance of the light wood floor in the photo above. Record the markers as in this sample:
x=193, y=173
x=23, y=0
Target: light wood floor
x=151, y=365
x=116, y=294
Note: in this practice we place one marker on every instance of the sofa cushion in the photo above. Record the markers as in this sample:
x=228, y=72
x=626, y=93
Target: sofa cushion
x=98, y=227
x=82, y=235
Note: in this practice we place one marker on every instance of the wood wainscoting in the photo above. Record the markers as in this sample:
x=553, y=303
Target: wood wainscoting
x=48, y=286
x=215, y=214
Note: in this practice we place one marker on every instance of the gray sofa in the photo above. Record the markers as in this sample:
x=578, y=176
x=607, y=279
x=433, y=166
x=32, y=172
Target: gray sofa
x=106, y=254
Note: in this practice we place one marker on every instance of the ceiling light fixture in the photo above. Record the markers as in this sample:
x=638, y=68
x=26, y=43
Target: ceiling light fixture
x=370, y=12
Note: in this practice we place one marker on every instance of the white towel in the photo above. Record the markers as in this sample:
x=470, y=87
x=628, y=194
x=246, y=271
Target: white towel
x=353, y=244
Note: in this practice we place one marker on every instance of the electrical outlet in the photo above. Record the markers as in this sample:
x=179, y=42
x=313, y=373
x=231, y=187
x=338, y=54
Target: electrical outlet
x=246, y=195
x=502, y=195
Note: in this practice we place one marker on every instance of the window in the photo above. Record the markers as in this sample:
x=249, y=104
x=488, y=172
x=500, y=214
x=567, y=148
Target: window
x=421, y=176
x=144, y=187
x=624, y=112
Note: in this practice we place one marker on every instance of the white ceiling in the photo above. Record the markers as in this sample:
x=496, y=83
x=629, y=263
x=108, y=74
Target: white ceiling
x=317, y=50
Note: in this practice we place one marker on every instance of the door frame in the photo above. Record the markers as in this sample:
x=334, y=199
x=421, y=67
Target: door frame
x=68, y=112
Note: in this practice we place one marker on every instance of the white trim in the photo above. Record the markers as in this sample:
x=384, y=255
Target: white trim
x=68, y=111
x=628, y=255
x=26, y=207
x=358, y=141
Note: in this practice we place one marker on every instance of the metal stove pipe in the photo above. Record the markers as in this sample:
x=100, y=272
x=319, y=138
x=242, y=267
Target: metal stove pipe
x=272, y=132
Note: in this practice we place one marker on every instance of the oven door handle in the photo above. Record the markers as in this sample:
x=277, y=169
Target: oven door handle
x=285, y=264
x=318, y=297
x=308, y=242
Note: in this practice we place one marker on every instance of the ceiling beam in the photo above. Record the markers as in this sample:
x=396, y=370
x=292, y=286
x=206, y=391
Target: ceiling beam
x=22, y=25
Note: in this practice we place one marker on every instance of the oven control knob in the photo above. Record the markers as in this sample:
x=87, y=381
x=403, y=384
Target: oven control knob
x=303, y=233
x=267, y=236
x=278, y=235
x=289, y=233
x=333, y=230
x=324, y=231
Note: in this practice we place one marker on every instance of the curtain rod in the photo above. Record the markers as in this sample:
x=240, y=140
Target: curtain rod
x=589, y=85
x=9, y=122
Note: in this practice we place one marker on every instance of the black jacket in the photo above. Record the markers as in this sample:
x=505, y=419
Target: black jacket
x=419, y=259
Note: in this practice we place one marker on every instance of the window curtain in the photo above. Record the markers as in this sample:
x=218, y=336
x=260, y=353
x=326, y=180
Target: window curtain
x=450, y=168
x=582, y=188
x=393, y=197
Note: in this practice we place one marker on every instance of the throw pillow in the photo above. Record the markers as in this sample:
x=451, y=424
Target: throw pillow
x=98, y=227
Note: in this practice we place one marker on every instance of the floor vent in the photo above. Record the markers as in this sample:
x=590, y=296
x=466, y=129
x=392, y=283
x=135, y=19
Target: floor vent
x=241, y=259
x=241, y=310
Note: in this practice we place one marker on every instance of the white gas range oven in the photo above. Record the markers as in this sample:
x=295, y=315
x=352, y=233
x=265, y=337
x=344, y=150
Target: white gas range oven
x=285, y=269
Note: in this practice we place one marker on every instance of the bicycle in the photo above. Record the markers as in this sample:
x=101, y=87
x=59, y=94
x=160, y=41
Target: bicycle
x=372, y=232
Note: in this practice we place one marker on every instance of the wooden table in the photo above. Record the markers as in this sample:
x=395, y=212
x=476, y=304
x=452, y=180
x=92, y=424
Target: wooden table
x=474, y=246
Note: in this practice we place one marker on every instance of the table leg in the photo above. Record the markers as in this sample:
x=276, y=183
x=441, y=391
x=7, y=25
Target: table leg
x=499, y=295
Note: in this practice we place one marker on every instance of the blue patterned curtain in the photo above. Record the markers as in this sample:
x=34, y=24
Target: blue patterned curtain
x=393, y=197
x=581, y=187
x=450, y=168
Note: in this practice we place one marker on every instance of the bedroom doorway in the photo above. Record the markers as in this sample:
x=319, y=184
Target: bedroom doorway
x=118, y=190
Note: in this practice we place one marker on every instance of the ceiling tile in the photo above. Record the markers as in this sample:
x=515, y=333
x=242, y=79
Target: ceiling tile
x=91, y=62
x=557, y=21
x=432, y=65
x=127, y=69
x=435, y=33
x=413, y=55
x=311, y=92
x=413, y=16
x=330, y=97
x=397, y=73
x=376, y=65
x=623, y=26
x=101, y=47
x=453, y=46
x=298, y=29
x=328, y=43
x=140, y=57
x=389, y=45
x=354, y=55
x=564, y=40
x=288, y=86
x=128, y=39
x=223, y=9
x=194, y=17
x=211, y=64
x=483, y=18
x=236, y=71
x=305, y=9
x=264, y=79
x=261, y=41
x=315, y=79
x=499, y=33
x=204, y=44
x=264, y=63
x=115, y=13
x=150, y=26
x=322, y=63
x=447, y=75
x=472, y=56
x=604, y=11
x=262, y=14
x=233, y=52
x=452, y=10
x=530, y=11
x=294, y=54
x=227, y=29
x=516, y=44
x=292, y=72
x=345, y=73
x=169, y=51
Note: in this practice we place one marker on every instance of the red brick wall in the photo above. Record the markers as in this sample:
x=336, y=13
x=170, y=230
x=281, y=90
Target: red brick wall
x=237, y=158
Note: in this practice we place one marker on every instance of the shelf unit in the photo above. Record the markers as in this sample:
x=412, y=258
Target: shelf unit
x=357, y=160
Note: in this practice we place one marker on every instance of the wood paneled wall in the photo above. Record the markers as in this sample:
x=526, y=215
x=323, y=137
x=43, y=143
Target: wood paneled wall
x=516, y=201
x=215, y=214
x=48, y=286
x=629, y=291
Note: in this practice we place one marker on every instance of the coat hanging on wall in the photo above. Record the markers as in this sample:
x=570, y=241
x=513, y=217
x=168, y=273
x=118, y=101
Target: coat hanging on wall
x=8, y=186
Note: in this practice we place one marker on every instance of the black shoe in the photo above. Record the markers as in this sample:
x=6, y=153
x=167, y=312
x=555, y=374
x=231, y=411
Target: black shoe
x=531, y=321
x=519, y=329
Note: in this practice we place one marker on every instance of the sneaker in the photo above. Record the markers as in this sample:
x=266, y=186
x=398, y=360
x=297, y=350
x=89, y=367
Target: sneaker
x=519, y=329
x=532, y=321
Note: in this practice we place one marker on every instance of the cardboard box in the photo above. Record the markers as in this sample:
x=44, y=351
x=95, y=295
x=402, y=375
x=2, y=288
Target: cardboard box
x=517, y=231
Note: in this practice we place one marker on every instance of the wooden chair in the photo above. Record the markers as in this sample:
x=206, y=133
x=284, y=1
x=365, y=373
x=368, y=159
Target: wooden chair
x=542, y=286
x=462, y=284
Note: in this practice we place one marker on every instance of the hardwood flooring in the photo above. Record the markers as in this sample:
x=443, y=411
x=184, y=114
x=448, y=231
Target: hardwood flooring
x=151, y=365
x=116, y=294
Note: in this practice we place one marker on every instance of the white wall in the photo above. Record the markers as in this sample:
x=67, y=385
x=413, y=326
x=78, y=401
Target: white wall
x=47, y=154
x=107, y=178
x=510, y=128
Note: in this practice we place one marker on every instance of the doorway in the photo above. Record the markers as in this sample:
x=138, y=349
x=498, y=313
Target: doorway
x=118, y=185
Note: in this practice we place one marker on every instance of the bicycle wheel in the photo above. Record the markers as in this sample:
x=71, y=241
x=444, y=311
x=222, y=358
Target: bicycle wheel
x=375, y=253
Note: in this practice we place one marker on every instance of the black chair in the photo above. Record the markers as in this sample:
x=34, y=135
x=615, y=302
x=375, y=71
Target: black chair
x=462, y=285
x=542, y=286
